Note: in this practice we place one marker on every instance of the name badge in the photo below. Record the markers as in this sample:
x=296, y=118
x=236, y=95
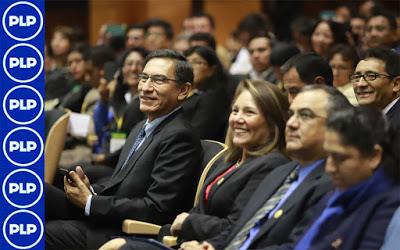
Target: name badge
x=117, y=141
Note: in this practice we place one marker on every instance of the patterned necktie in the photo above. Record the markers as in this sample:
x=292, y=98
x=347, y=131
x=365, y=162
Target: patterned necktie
x=263, y=211
x=139, y=139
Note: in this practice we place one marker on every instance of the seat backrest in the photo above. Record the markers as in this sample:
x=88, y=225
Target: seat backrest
x=57, y=122
x=213, y=150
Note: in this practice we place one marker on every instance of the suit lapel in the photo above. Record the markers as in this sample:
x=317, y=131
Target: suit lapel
x=120, y=174
x=127, y=148
x=132, y=161
x=293, y=199
x=264, y=192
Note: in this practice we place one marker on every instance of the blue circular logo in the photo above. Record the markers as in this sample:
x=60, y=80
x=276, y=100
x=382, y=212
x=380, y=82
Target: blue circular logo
x=23, y=105
x=22, y=21
x=23, y=146
x=23, y=229
x=23, y=63
x=22, y=188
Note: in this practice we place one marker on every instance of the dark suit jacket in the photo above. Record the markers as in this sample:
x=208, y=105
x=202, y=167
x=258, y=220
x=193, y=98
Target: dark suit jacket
x=393, y=115
x=207, y=112
x=361, y=228
x=154, y=186
x=277, y=230
x=157, y=182
x=227, y=198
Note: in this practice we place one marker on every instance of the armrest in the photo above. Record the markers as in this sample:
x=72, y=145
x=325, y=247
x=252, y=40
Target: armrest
x=170, y=241
x=140, y=227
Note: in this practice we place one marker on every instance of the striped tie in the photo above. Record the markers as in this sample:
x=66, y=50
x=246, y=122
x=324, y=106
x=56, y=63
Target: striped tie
x=139, y=139
x=264, y=210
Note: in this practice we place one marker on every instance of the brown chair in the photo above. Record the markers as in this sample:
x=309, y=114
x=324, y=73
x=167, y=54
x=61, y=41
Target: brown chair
x=213, y=150
x=56, y=131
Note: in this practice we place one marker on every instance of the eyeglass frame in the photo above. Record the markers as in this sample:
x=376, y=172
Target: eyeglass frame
x=152, y=80
x=363, y=76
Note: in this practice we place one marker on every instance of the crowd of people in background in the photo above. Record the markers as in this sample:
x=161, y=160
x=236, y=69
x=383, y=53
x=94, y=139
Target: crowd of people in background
x=326, y=99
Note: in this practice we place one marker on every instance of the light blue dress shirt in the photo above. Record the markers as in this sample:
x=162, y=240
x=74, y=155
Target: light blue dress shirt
x=392, y=237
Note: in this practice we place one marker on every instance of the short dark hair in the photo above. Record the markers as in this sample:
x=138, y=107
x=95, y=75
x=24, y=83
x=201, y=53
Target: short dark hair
x=204, y=37
x=208, y=16
x=364, y=127
x=183, y=70
x=100, y=55
x=391, y=59
x=303, y=25
x=135, y=26
x=347, y=52
x=281, y=52
x=166, y=26
x=83, y=49
x=336, y=100
x=210, y=57
x=309, y=66
x=387, y=14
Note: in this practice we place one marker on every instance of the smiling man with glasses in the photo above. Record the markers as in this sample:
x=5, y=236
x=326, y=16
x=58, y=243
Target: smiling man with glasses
x=376, y=81
x=156, y=168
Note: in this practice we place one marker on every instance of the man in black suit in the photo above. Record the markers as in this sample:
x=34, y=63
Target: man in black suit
x=154, y=176
x=281, y=200
x=376, y=81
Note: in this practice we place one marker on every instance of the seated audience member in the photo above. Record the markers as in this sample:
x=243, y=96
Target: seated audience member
x=376, y=81
x=326, y=34
x=344, y=12
x=382, y=31
x=392, y=240
x=280, y=53
x=134, y=37
x=260, y=50
x=364, y=167
x=75, y=80
x=343, y=60
x=62, y=41
x=207, y=106
x=255, y=142
x=205, y=23
x=305, y=69
x=283, y=197
x=159, y=34
x=202, y=39
x=357, y=28
x=118, y=108
x=181, y=43
x=83, y=96
x=114, y=116
x=153, y=180
x=250, y=26
x=301, y=29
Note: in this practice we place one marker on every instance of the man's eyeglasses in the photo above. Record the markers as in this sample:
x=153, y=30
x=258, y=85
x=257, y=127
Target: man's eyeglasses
x=367, y=76
x=157, y=79
x=304, y=115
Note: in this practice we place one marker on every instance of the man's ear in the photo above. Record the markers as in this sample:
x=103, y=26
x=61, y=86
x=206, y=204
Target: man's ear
x=376, y=158
x=396, y=85
x=319, y=80
x=184, y=91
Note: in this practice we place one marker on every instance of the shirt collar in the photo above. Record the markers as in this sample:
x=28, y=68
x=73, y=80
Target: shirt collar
x=151, y=126
x=390, y=105
x=304, y=171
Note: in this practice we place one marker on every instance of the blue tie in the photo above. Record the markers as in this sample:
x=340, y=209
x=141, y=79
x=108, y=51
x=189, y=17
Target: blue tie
x=139, y=139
